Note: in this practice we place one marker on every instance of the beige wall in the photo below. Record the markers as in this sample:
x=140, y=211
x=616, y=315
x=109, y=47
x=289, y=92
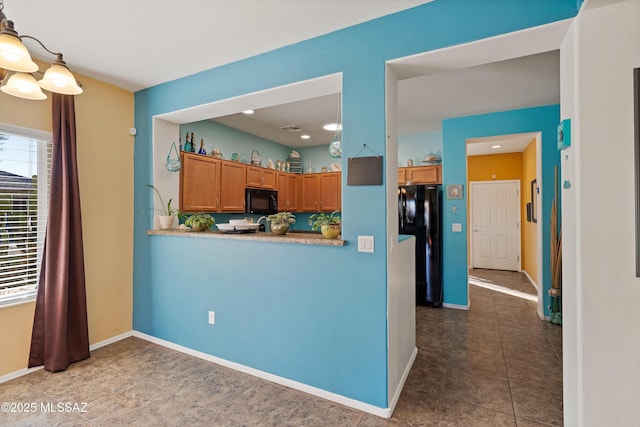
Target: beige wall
x=104, y=114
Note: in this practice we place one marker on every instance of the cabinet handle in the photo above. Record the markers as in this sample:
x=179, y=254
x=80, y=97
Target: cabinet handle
x=217, y=202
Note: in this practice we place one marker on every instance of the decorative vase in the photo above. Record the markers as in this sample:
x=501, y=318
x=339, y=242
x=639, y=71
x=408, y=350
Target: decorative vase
x=330, y=231
x=199, y=228
x=279, y=229
x=166, y=221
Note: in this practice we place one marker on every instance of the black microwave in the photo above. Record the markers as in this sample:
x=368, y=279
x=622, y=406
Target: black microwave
x=261, y=202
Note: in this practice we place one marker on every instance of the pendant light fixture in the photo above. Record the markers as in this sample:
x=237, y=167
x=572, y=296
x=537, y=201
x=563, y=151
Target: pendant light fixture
x=335, y=146
x=16, y=67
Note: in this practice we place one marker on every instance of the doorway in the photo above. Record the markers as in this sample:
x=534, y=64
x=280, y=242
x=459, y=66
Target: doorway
x=495, y=225
x=503, y=234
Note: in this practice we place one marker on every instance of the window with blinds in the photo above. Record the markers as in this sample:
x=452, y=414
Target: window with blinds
x=25, y=165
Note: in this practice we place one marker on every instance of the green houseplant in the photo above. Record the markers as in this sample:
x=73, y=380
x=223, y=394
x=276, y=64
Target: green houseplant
x=329, y=225
x=167, y=218
x=200, y=221
x=279, y=223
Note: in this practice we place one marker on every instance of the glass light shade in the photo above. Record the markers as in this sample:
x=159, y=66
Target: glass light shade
x=23, y=86
x=59, y=79
x=14, y=56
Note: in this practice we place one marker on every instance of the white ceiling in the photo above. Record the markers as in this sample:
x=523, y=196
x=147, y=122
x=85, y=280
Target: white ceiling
x=136, y=44
x=165, y=41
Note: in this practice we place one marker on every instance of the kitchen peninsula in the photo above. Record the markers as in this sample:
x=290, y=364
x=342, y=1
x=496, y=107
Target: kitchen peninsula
x=291, y=237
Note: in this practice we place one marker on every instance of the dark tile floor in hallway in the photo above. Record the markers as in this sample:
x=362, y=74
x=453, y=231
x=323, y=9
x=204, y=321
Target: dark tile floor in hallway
x=494, y=365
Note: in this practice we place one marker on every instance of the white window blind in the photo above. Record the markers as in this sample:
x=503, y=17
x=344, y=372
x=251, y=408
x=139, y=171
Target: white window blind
x=25, y=165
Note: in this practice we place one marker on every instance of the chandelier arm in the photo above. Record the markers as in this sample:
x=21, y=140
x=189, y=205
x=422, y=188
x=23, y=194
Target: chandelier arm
x=58, y=54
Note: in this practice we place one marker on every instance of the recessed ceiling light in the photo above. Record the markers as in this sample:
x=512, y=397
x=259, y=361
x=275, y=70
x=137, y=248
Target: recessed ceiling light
x=332, y=127
x=248, y=112
x=305, y=136
x=496, y=146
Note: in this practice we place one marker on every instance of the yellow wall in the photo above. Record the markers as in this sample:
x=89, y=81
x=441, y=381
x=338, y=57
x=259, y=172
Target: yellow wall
x=104, y=114
x=503, y=166
x=529, y=229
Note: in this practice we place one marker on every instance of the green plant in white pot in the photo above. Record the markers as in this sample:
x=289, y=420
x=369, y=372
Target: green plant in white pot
x=279, y=223
x=329, y=225
x=169, y=214
x=200, y=221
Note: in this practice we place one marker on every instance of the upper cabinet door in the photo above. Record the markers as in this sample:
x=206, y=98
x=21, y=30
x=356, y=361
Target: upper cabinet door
x=232, y=185
x=287, y=186
x=424, y=175
x=329, y=194
x=259, y=177
x=402, y=174
x=308, y=189
x=199, y=183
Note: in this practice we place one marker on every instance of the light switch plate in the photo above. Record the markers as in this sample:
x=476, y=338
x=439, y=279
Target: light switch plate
x=365, y=244
x=456, y=227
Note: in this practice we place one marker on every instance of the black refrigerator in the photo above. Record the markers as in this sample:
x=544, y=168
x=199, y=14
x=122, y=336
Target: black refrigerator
x=420, y=215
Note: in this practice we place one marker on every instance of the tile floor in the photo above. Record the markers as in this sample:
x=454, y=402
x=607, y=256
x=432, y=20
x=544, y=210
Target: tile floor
x=494, y=365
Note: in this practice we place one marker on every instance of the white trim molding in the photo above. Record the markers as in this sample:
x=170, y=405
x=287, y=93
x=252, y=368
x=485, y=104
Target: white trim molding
x=342, y=400
x=405, y=375
x=456, y=306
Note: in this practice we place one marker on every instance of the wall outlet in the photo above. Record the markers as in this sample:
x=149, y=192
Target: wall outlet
x=212, y=318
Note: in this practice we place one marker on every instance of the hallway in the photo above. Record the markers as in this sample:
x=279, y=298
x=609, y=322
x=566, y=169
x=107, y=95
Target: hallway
x=487, y=365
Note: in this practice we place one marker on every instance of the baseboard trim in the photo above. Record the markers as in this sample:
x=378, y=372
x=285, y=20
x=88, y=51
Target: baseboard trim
x=342, y=400
x=110, y=340
x=396, y=396
x=455, y=306
x=25, y=371
x=535, y=285
x=17, y=374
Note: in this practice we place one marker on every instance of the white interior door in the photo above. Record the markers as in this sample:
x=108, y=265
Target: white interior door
x=495, y=220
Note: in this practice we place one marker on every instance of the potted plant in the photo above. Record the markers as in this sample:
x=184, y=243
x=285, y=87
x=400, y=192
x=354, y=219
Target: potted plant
x=169, y=214
x=279, y=223
x=329, y=225
x=200, y=221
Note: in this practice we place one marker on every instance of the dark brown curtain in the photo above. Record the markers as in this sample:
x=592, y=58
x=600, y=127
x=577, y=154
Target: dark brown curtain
x=60, y=333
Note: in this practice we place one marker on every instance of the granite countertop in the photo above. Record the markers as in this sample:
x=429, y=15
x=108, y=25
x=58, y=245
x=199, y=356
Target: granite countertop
x=290, y=237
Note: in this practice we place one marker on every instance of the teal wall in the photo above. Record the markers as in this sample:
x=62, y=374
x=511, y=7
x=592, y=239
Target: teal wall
x=455, y=133
x=312, y=314
x=231, y=140
x=417, y=146
x=318, y=156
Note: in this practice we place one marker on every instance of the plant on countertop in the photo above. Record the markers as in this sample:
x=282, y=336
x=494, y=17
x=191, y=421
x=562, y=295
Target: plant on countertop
x=329, y=225
x=280, y=222
x=168, y=210
x=200, y=221
x=168, y=213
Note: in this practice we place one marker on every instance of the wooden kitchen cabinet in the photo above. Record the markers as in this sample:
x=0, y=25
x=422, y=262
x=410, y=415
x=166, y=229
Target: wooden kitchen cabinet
x=213, y=185
x=329, y=191
x=232, y=185
x=308, y=189
x=423, y=175
x=199, y=183
x=320, y=192
x=402, y=176
x=259, y=177
x=287, y=186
